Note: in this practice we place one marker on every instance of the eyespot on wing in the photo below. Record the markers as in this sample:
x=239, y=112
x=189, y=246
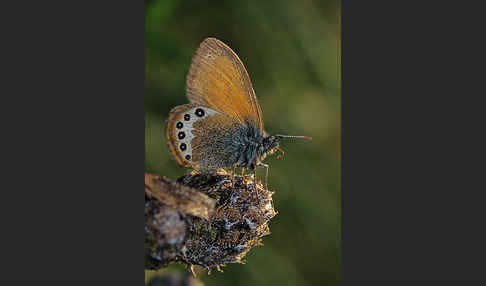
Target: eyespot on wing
x=179, y=131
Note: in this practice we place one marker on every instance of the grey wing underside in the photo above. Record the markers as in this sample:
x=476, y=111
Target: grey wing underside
x=218, y=142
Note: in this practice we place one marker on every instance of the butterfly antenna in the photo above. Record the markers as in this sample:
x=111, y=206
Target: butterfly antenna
x=295, y=137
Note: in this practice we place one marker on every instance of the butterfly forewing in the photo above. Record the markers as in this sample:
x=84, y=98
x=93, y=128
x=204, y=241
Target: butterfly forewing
x=218, y=79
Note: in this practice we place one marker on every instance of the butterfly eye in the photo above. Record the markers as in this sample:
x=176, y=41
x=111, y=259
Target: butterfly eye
x=187, y=117
x=188, y=157
x=179, y=125
x=181, y=135
x=200, y=112
x=183, y=146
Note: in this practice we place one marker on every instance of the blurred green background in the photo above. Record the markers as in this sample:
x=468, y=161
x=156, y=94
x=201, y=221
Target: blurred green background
x=291, y=50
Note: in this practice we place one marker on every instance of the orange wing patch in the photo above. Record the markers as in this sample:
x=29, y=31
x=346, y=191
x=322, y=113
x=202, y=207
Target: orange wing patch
x=218, y=79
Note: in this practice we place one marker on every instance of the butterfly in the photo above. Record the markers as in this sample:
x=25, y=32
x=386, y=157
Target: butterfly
x=222, y=126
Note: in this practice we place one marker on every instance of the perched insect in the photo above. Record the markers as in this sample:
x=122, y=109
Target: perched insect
x=222, y=126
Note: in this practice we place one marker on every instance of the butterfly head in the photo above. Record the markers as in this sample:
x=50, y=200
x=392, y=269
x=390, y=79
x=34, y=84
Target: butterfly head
x=271, y=143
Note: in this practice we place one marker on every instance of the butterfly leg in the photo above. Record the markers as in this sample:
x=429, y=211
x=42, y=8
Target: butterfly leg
x=266, y=173
x=254, y=184
x=266, y=178
x=243, y=172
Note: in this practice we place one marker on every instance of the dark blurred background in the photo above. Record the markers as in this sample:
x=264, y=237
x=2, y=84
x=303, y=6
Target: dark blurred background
x=291, y=50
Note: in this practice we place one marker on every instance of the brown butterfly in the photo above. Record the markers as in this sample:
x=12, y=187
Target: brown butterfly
x=222, y=126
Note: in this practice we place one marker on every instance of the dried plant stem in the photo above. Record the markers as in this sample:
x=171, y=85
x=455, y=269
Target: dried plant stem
x=204, y=219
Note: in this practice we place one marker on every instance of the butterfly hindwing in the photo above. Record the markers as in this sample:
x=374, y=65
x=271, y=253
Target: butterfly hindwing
x=218, y=79
x=217, y=142
x=179, y=128
x=199, y=136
